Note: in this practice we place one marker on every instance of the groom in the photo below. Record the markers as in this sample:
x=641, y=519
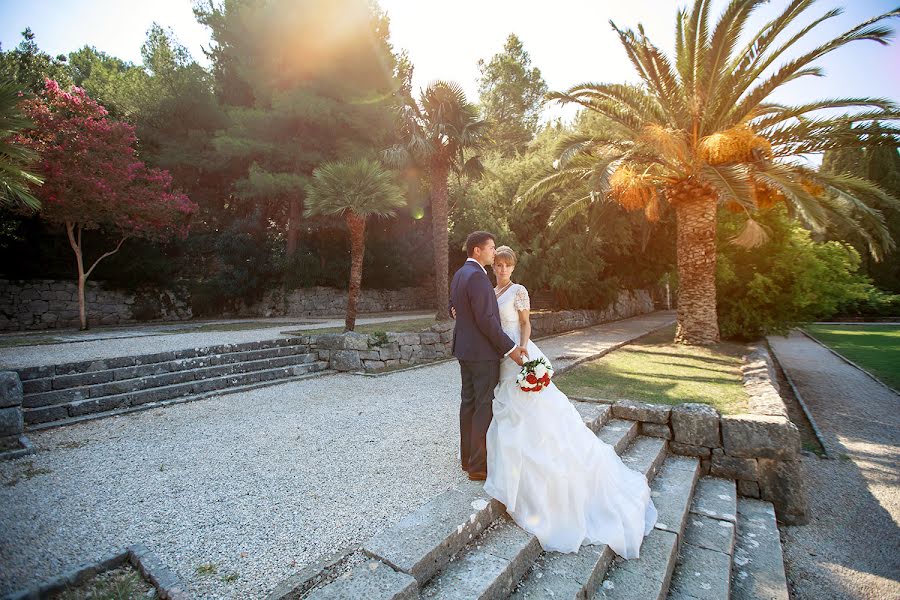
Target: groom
x=480, y=344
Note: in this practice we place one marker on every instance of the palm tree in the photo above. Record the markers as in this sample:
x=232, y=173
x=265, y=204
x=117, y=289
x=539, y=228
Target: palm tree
x=435, y=133
x=703, y=131
x=356, y=190
x=15, y=178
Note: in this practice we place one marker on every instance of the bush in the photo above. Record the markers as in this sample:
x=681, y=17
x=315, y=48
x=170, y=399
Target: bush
x=788, y=280
x=874, y=304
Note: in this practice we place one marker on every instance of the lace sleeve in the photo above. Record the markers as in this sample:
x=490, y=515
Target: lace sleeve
x=521, y=301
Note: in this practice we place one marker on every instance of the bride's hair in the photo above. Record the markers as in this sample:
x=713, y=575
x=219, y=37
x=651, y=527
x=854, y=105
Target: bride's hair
x=506, y=254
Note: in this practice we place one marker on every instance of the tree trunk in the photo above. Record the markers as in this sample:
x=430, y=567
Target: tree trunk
x=293, y=227
x=73, y=230
x=440, y=231
x=696, y=247
x=357, y=226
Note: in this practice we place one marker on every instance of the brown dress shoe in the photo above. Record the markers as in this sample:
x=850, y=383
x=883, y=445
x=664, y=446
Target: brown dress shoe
x=478, y=476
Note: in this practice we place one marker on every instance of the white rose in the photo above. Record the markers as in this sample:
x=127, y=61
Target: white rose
x=539, y=371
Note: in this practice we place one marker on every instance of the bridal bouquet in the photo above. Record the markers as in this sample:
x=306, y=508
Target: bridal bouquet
x=535, y=375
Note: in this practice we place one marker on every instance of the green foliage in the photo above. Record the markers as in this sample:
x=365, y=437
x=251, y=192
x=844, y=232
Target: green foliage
x=511, y=94
x=362, y=187
x=879, y=161
x=28, y=67
x=16, y=160
x=789, y=280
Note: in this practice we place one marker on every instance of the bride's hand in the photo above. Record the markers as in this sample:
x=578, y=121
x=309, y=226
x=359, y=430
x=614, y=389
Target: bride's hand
x=524, y=351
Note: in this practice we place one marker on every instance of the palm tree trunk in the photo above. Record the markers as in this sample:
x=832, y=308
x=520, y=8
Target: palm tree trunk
x=440, y=230
x=696, y=247
x=357, y=226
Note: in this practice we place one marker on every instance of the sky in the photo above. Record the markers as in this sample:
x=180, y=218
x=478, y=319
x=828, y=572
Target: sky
x=569, y=40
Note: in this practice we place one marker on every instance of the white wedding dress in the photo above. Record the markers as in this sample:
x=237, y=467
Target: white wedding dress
x=556, y=478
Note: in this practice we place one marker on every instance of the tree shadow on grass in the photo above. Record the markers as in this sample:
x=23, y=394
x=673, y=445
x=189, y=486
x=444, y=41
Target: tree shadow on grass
x=709, y=359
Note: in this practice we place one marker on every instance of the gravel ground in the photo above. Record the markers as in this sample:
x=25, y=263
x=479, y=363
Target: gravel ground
x=148, y=339
x=851, y=547
x=258, y=484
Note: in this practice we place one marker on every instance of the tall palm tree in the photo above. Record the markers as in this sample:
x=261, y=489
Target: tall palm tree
x=15, y=159
x=435, y=134
x=355, y=190
x=703, y=131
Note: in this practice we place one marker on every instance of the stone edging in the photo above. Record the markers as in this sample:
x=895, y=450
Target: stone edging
x=26, y=448
x=850, y=362
x=760, y=449
x=803, y=406
x=313, y=574
x=167, y=585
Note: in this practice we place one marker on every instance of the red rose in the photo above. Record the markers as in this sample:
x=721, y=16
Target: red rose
x=546, y=379
x=531, y=379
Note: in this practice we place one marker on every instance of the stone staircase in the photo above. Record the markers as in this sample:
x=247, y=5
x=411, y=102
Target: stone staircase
x=61, y=394
x=707, y=544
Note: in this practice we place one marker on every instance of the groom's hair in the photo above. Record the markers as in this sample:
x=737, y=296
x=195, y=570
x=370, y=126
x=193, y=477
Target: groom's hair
x=478, y=239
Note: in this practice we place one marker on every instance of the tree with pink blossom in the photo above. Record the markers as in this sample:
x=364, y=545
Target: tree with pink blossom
x=93, y=178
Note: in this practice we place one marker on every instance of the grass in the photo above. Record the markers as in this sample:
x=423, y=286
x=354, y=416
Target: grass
x=656, y=370
x=875, y=348
x=405, y=326
x=123, y=583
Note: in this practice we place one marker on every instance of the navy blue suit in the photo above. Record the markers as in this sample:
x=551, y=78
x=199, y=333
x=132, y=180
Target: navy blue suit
x=479, y=343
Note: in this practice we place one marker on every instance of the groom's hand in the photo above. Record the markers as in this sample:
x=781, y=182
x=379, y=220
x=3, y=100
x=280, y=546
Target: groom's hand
x=519, y=355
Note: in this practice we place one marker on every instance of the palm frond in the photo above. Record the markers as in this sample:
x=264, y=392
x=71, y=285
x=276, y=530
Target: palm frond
x=732, y=182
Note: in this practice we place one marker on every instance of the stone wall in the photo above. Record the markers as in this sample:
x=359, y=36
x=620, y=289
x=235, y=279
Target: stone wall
x=50, y=304
x=357, y=352
x=760, y=449
x=324, y=301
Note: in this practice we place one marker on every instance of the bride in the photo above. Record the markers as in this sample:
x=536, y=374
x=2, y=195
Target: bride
x=556, y=478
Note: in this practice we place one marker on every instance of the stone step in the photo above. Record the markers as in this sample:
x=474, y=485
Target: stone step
x=98, y=376
x=757, y=571
x=595, y=415
x=72, y=368
x=703, y=568
x=196, y=390
x=373, y=580
x=575, y=575
x=618, y=433
x=649, y=576
x=176, y=376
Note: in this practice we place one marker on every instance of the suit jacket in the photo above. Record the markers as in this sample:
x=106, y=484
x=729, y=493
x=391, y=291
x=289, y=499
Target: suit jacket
x=477, y=334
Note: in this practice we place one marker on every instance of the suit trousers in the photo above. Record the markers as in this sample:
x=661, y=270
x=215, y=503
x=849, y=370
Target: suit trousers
x=479, y=378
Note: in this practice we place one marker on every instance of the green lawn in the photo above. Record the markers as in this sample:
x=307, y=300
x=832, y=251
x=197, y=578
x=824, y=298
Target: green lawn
x=875, y=348
x=405, y=326
x=655, y=370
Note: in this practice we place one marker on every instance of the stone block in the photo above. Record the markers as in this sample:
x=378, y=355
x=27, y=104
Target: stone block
x=657, y=430
x=10, y=389
x=748, y=489
x=12, y=422
x=343, y=341
x=642, y=411
x=645, y=455
x=345, y=360
x=373, y=365
x=760, y=436
x=732, y=467
x=369, y=355
x=644, y=577
x=696, y=424
x=390, y=352
x=429, y=338
x=781, y=483
x=689, y=450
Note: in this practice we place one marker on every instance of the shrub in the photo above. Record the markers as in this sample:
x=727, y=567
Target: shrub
x=788, y=280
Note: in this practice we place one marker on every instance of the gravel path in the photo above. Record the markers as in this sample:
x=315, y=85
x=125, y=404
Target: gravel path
x=851, y=547
x=258, y=484
x=149, y=339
